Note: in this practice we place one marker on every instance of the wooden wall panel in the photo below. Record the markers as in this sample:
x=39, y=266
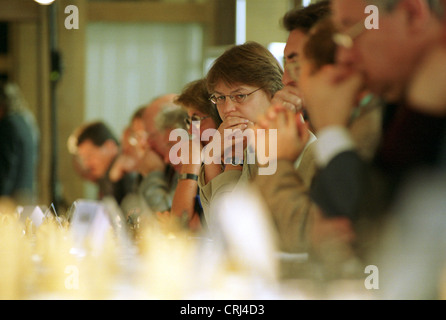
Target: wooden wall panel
x=19, y=10
x=70, y=95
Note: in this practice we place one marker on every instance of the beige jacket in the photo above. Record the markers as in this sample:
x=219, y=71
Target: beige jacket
x=286, y=195
x=287, y=191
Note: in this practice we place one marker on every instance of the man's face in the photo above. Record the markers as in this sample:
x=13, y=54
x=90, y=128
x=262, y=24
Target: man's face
x=136, y=139
x=292, y=53
x=165, y=146
x=384, y=56
x=154, y=137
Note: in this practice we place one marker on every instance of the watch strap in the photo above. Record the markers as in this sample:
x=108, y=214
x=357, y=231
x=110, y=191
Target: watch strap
x=188, y=176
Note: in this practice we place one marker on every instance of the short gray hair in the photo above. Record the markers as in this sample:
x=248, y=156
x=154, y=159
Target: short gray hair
x=171, y=116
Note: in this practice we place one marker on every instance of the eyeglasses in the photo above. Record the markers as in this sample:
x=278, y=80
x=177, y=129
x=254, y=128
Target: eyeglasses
x=238, y=98
x=346, y=39
x=188, y=120
x=136, y=136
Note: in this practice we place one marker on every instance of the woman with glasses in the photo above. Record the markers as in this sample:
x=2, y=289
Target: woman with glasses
x=241, y=83
x=201, y=115
x=195, y=100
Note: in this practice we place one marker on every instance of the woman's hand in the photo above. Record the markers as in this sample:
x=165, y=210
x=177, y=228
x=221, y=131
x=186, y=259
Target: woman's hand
x=232, y=126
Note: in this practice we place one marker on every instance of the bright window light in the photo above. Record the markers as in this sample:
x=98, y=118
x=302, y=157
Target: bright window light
x=240, y=22
x=276, y=48
x=44, y=2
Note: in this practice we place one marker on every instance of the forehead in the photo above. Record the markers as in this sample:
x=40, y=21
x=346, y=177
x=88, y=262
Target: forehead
x=86, y=147
x=149, y=121
x=347, y=12
x=137, y=124
x=295, y=42
x=225, y=88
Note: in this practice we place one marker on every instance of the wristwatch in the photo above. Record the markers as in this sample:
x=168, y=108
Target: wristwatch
x=188, y=176
x=234, y=161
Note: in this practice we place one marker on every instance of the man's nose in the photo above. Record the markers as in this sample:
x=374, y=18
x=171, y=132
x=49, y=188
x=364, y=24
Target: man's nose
x=287, y=79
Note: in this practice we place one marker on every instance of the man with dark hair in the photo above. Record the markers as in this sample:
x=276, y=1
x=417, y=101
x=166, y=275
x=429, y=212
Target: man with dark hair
x=298, y=22
x=96, y=148
x=97, y=132
x=304, y=18
x=286, y=192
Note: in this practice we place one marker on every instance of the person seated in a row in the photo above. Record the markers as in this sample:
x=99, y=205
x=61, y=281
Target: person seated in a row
x=95, y=149
x=241, y=83
x=387, y=64
x=201, y=115
x=301, y=224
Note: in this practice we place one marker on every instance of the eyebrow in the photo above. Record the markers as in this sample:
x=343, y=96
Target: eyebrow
x=292, y=55
x=233, y=91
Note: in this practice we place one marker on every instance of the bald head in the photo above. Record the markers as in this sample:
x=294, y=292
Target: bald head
x=153, y=108
x=150, y=114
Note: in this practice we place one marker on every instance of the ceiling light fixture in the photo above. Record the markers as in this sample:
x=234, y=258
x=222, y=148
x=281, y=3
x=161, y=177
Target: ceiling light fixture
x=44, y=2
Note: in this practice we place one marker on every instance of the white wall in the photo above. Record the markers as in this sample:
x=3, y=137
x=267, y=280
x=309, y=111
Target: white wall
x=129, y=64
